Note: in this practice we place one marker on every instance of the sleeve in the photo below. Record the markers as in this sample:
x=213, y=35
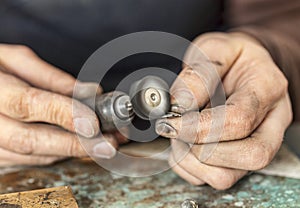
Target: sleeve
x=276, y=24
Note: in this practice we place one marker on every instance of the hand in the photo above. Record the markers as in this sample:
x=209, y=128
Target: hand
x=257, y=112
x=36, y=118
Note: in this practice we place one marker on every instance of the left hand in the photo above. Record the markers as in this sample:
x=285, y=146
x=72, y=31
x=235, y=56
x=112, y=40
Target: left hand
x=40, y=115
x=257, y=112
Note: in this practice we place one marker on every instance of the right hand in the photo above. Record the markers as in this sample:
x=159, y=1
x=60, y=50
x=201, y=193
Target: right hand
x=221, y=143
x=36, y=111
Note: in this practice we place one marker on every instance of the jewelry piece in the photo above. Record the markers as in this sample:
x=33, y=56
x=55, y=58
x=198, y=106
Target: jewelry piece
x=189, y=203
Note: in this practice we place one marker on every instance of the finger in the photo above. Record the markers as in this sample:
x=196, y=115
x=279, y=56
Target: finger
x=43, y=139
x=101, y=147
x=204, y=70
x=254, y=152
x=9, y=158
x=83, y=90
x=217, y=177
x=184, y=174
x=21, y=61
x=235, y=120
x=33, y=105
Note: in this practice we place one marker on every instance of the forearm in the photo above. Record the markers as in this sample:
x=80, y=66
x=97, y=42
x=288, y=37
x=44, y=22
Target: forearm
x=276, y=25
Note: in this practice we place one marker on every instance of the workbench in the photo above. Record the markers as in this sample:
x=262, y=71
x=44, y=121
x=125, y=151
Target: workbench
x=93, y=186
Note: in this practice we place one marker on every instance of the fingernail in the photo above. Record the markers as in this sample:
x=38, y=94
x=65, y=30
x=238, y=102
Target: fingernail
x=165, y=129
x=86, y=89
x=104, y=150
x=184, y=101
x=84, y=127
x=178, y=109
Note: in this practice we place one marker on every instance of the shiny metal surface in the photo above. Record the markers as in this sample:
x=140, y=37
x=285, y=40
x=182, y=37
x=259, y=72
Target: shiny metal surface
x=189, y=203
x=114, y=110
x=150, y=97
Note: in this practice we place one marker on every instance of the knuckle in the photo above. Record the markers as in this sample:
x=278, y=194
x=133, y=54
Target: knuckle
x=284, y=84
x=37, y=105
x=75, y=149
x=222, y=179
x=19, y=104
x=248, y=122
x=269, y=80
x=61, y=112
x=202, y=130
x=23, y=142
x=289, y=110
x=23, y=50
x=18, y=52
x=279, y=79
x=54, y=112
x=260, y=156
x=290, y=115
x=245, y=121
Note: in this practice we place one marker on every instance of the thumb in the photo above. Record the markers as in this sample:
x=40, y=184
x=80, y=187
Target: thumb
x=206, y=62
x=22, y=62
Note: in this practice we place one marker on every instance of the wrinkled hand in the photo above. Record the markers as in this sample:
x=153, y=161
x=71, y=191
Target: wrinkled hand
x=36, y=116
x=257, y=112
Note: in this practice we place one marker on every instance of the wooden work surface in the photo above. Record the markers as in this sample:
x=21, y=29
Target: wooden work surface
x=42, y=198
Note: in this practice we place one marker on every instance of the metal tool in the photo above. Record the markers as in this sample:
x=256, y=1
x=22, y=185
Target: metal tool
x=150, y=97
x=114, y=110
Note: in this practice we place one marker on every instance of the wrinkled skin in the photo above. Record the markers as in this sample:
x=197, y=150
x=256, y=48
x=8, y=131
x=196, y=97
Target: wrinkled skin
x=37, y=125
x=257, y=112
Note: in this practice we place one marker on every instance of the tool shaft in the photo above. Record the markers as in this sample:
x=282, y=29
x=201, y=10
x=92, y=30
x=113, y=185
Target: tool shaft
x=114, y=110
x=149, y=99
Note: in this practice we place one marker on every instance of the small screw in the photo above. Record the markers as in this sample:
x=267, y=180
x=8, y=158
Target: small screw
x=128, y=106
x=152, y=97
x=189, y=203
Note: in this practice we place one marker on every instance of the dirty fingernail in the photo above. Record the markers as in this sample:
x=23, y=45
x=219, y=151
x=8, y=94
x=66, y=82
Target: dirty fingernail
x=165, y=129
x=184, y=101
x=104, y=150
x=178, y=109
x=84, y=127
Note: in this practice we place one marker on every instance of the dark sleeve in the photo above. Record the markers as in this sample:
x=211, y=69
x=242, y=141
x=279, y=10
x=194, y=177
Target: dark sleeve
x=276, y=24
